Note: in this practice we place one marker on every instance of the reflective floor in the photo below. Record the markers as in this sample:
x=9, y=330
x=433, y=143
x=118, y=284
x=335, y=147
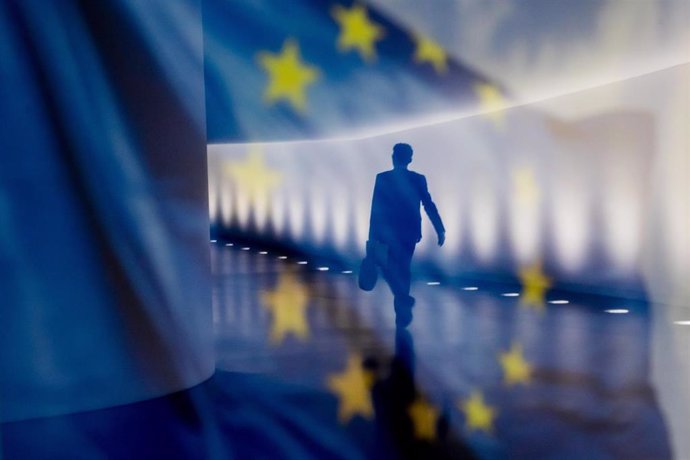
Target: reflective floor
x=309, y=366
x=485, y=370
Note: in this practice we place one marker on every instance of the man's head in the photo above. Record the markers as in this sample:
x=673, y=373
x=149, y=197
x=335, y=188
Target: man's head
x=402, y=155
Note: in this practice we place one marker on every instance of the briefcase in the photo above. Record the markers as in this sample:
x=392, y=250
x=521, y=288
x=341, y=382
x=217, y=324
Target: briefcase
x=376, y=257
x=368, y=274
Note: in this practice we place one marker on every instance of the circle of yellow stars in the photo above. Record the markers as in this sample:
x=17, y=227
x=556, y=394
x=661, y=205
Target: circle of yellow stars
x=353, y=385
x=289, y=76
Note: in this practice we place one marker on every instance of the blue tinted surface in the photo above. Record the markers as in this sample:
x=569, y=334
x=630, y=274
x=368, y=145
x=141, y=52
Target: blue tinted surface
x=588, y=394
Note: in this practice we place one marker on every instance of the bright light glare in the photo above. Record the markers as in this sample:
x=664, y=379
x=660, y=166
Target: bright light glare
x=260, y=208
x=484, y=219
x=278, y=212
x=570, y=210
x=319, y=214
x=296, y=216
x=341, y=215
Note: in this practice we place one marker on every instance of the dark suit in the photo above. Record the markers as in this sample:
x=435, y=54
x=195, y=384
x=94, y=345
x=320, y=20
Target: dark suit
x=396, y=221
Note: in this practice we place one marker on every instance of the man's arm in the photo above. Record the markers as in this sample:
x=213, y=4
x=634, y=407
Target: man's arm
x=432, y=212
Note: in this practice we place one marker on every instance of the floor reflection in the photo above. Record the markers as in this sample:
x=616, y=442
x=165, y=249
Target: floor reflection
x=311, y=367
x=468, y=371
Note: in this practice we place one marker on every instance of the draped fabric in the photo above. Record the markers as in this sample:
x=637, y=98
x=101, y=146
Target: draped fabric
x=103, y=227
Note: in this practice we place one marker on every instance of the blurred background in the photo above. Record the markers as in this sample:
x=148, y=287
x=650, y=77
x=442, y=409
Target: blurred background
x=550, y=133
x=554, y=139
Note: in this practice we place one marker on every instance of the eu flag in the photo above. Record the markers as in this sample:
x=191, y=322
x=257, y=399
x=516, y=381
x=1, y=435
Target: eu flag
x=316, y=69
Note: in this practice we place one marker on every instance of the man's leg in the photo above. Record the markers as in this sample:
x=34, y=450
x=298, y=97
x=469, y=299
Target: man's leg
x=405, y=262
x=399, y=276
x=394, y=270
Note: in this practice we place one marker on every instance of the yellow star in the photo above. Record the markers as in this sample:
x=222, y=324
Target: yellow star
x=429, y=51
x=424, y=417
x=251, y=176
x=353, y=388
x=515, y=368
x=525, y=187
x=534, y=285
x=287, y=304
x=357, y=31
x=288, y=76
x=491, y=101
x=478, y=415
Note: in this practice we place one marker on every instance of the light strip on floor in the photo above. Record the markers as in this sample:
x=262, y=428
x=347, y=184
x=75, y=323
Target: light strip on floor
x=470, y=288
x=302, y=262
x=511, y=294
x=682, y=323
x=617, y=311
x=559, y=302
x=263, y=253
x=322, y=269
x=346, y=272
x=433, y=283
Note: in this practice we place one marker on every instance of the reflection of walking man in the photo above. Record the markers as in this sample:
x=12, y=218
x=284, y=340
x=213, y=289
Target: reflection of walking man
x=397, y=223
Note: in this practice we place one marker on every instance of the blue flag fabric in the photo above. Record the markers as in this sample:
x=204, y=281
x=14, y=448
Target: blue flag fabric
x=102, y=214
x=385, y=75
x=103, y=247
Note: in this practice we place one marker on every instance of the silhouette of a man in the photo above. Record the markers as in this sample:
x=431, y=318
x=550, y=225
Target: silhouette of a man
x=396, y=221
